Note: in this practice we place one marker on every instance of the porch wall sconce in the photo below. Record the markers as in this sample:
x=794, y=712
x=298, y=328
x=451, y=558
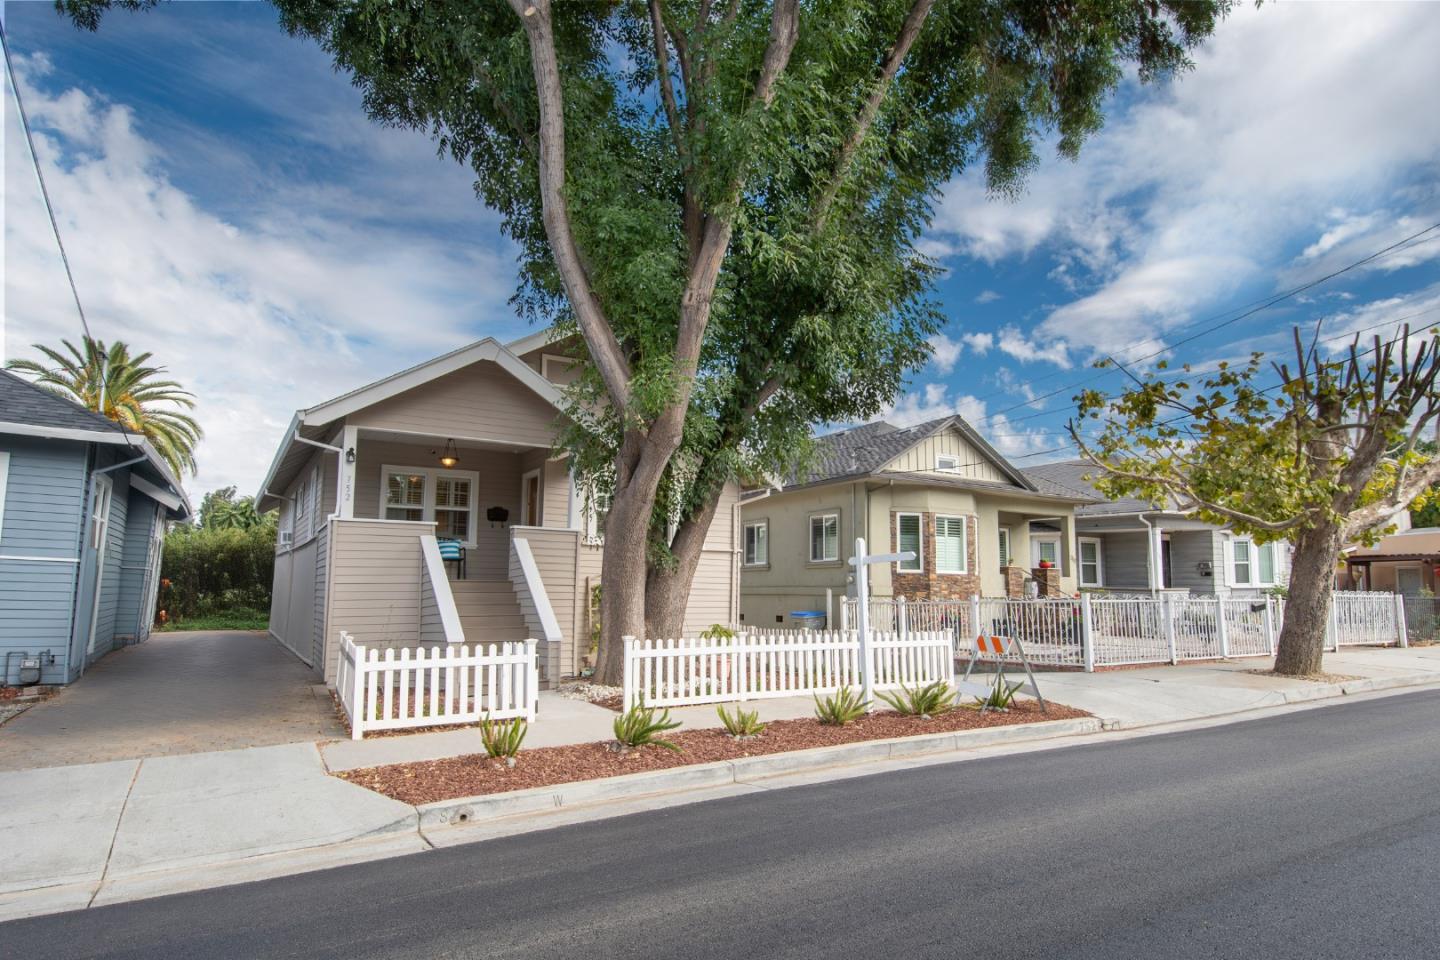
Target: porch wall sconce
x=451, y=456
x=350, y=455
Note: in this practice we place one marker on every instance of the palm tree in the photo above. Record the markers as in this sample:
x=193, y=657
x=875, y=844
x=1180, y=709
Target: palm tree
x=111, y=382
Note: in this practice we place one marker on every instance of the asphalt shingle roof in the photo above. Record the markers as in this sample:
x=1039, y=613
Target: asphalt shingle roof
x=23, y=402
x=863, y=449
x=1068, y=478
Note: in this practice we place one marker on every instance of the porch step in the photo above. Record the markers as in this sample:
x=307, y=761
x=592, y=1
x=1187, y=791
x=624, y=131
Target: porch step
x=489, y=612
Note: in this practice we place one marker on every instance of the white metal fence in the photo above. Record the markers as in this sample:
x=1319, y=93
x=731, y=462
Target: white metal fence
x=754, y=666
x=435, y=686
x=1099, y=630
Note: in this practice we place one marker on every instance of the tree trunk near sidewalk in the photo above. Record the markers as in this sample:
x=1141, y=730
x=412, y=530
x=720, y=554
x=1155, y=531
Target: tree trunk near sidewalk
x=1301, y=649
x=667, y=591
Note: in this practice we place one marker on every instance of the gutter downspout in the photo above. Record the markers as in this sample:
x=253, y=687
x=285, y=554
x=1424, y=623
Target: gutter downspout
x=339, y=472
x=1154, y=575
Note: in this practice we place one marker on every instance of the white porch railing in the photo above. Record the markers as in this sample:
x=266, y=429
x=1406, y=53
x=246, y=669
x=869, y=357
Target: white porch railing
x=439, y=618
x=755, y=666
x=1092, y=631
x=435, y=686
x=535, y=601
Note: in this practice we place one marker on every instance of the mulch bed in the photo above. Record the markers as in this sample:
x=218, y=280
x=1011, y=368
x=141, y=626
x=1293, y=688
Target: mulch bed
x=476, y=774
x=1314, y=677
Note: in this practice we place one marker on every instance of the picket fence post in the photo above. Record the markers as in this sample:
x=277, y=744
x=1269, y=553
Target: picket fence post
x=1270, y=637
x=1168, y=606
x=532, y=685
x=1332, y=626
x=357, y=696
x=901, y=623
x=1222, y=629
x=975, y=628
x=627, y=673
x=1087, y=632
x=742, y=685
x=845, y=615
x=1402, y=634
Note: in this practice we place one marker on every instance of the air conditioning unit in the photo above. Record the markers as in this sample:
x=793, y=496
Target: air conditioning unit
x=286, y=537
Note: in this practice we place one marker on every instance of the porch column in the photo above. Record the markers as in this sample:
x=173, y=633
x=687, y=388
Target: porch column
x=1155, y=555
x=349, y=443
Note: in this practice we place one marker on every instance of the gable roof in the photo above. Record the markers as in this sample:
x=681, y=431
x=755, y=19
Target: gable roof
x=1072, y=476
x=24, y=405
x=31, y=411
x=863, y=450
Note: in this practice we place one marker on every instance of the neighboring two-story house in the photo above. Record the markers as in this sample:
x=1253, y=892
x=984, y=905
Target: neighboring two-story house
x=460, y=448
x=1132, y=546
x=978, y=525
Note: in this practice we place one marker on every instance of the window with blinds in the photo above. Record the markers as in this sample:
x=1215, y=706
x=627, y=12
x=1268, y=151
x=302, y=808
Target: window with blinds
x=911, y=540
x=950, y=545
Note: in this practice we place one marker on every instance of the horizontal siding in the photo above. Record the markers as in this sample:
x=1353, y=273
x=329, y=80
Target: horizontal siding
x=710, y=592
x=139, y=522
x=555, y=554
x=482, y=401
x=322, y=581
x=374, y=584
x=44, y=497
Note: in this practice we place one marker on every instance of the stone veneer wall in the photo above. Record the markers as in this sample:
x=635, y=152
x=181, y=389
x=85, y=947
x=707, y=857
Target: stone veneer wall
x=930, y=585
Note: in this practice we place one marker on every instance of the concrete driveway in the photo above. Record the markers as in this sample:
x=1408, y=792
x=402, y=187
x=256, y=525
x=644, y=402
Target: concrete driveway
x=176, y=693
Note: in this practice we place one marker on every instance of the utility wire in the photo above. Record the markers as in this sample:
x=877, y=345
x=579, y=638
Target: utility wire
x=40, y=176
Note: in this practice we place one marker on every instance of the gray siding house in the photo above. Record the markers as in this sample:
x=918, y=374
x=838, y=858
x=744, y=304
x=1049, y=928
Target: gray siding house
x=1133, y=546
x=83, y=509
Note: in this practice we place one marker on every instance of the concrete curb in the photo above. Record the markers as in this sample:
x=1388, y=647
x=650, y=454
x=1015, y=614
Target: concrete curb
x=469, y=810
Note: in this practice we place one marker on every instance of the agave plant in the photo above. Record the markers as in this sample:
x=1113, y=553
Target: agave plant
x=840, y=708
x=639, y=727
x=918, y=701
x=109, y=381
x=502, y=739
x=741, y=723
x=1001, y=695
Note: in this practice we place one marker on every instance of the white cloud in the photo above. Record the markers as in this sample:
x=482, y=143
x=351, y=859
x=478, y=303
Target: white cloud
x=933, y=401
x=1199, y=186
x=987, y=296
x=979, y=343
x=1027, y=350
x=258, y=317
x=944, y=352
x=1384, y=318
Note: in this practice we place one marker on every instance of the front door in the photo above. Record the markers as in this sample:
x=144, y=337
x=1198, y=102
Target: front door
x=99, y=542
x=530, y=496
x=1408, y=581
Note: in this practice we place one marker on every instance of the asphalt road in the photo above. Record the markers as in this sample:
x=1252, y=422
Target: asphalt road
x=1311, y=835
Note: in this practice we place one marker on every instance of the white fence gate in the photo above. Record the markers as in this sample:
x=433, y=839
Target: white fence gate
x=678, y=672
x=1100, y=630
x=435, y=686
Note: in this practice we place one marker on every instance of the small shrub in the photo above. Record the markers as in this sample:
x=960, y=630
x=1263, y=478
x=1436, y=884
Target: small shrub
x=930, y=701
x=840, y=708
x=742, y=723
x=639, y=727
x=1001, y=694
x=502, y=739
x=717, y=631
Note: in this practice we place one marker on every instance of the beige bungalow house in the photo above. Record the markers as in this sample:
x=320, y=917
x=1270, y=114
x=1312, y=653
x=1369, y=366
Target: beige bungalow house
x=978, y=525
x=460, y=448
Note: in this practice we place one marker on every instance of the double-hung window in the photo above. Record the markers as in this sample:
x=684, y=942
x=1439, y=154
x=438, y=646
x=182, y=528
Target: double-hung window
x=757, y=543
x=1251, y=565
x=1242, y=567
x=446, y=497
x=824, y=537
x=1092, y=567
x=405, y=494
x=452, y=507
x=910, y=538
x=950, y=553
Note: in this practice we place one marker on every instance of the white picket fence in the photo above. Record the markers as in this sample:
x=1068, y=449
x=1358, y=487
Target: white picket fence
x=1098, y=631
x=435, y=686
x=755, y=666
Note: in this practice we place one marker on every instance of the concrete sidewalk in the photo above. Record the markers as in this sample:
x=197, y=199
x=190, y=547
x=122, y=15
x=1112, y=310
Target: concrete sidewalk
x=90, y=834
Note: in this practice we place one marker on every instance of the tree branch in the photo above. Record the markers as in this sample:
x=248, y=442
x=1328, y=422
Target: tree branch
x=605, y=351
x=909, y=30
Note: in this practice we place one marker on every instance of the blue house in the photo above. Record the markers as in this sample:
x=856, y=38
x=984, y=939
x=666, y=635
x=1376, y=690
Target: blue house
x=83, y=508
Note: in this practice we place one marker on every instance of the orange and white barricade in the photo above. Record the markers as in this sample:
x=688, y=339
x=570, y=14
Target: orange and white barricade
x=998, y=649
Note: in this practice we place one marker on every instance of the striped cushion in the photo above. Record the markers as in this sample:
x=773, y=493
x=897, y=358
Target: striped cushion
x=449, y=549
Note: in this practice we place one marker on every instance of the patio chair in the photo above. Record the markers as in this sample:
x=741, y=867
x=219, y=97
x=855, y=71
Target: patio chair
x=452, y=552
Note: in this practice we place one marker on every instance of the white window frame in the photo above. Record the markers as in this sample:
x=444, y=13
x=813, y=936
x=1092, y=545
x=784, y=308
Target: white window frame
x=4, y=478
x=427, y=506
x=940, y=459
x=810, y=536
x=1007, y=553
x=1038, y=538
x=964, y=543
x=919, y=561
x=746, y=558
x=302, y=501
x=1253, y=553
x=1099, y=580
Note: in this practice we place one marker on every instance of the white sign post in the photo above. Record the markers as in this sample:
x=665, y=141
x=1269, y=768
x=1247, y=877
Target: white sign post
x=861, y=562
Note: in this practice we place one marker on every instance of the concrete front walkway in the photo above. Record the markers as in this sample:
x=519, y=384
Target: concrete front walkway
x=176, y=693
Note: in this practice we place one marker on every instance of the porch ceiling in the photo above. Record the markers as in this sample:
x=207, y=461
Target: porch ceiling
x=477, y=444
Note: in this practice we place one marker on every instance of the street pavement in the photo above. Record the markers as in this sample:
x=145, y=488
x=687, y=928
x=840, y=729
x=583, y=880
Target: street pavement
x=1312, y=834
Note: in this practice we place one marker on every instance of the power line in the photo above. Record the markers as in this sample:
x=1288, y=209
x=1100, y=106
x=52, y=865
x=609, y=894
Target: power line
x=40, y=176
x=1256, y=306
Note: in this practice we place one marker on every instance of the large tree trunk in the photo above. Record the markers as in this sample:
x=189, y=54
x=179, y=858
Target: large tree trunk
x=667, y=590
x=1301, y=649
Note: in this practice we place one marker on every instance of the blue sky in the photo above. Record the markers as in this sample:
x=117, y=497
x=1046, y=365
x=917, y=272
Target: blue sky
x=226, y=202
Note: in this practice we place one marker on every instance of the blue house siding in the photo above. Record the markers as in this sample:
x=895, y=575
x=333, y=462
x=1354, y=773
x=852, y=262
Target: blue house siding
x=40, y=537
x=130, y=622
x=110, y=584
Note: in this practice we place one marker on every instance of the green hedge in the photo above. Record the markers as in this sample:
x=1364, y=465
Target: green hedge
x=209, y=572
